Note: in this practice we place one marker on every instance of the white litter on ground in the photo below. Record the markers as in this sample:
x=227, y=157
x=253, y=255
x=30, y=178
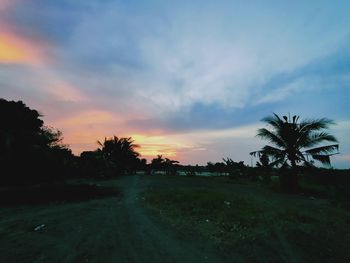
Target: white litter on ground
x=39, y=227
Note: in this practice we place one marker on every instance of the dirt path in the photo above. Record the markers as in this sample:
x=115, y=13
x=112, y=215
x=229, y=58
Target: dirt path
x=142, y=239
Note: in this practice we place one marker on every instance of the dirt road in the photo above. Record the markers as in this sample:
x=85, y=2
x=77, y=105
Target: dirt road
x=144, y=239
x=115, y=229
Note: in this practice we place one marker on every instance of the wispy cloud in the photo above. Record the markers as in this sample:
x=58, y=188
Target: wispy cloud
x=17, y=50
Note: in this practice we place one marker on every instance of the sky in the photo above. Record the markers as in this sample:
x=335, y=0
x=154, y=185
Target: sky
x=187, y=79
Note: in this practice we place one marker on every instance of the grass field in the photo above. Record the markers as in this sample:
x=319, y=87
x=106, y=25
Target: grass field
x=250, y=221
x=170, y=219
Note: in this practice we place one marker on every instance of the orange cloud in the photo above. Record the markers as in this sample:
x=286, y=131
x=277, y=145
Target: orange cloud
x=16, y=49
x=9, y=53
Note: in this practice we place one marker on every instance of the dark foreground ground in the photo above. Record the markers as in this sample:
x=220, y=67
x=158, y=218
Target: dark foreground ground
x=171, y=219
x=106, y=229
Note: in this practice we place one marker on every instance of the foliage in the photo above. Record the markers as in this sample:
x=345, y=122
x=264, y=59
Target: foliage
x=119, y=154
x=294, y=142
x=234, y=169
x=29, y=151
x=164, y=164
x=92, y=165
x=264, y=167
x=228, y=167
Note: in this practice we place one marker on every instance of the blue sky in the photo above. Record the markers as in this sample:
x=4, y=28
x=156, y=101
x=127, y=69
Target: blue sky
x=188, y=80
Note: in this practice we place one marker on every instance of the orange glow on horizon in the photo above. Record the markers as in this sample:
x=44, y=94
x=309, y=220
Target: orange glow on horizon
x=151, y=146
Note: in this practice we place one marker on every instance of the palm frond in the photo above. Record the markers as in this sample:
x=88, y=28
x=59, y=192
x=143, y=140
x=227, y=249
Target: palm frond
x=270, y=136
x=270, y=150
x=315, y=138
x=324, y=159
x=315, y=125
x=328, y=149
x=278, y=162
x=291, y=137
x=275, y=121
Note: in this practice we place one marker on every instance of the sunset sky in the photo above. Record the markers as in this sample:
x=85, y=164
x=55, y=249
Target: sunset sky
x=187, y=79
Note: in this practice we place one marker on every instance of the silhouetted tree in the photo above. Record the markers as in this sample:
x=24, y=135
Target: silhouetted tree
x=61, y=158
x=142, y=165
x=294, y=142
x=119, y=154
x=93, y=165
x=164, y=164
x=210, y=167
x=234, y=169
x=29, y=151
x=264, y=167
x=192, y=170
x=170, y=166
x=158, y=163
x=220, y=167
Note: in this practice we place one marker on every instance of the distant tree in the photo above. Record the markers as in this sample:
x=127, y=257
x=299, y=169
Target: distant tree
x=170, y=166
x=210, y=167
x=264, y=167
x=142, y=165
x=234, y=169
x=294, y=143
x=220, y=167
x=158, y=163
x=164, y=164
x=119, y=154
x=193, y=170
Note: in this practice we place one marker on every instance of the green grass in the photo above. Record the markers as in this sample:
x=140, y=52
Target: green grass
x=71, y=213
x=255, y=222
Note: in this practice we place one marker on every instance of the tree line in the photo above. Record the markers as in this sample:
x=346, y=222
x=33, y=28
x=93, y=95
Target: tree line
x=32, y=152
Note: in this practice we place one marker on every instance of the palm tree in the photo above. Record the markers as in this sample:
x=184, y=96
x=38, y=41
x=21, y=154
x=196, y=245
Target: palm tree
x=170, y=166
x=295, y=142
x=120, y=153
x=158, y=163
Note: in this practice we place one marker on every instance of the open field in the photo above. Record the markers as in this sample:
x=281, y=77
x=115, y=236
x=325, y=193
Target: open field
x=173, y=219
x=248, y=221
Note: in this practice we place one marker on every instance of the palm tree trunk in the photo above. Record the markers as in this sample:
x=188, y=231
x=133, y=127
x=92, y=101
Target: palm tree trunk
x=293, y=177
x=289, y=178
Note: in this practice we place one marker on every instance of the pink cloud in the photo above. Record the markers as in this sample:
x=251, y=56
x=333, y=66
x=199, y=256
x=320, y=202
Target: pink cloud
x=15, y=48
